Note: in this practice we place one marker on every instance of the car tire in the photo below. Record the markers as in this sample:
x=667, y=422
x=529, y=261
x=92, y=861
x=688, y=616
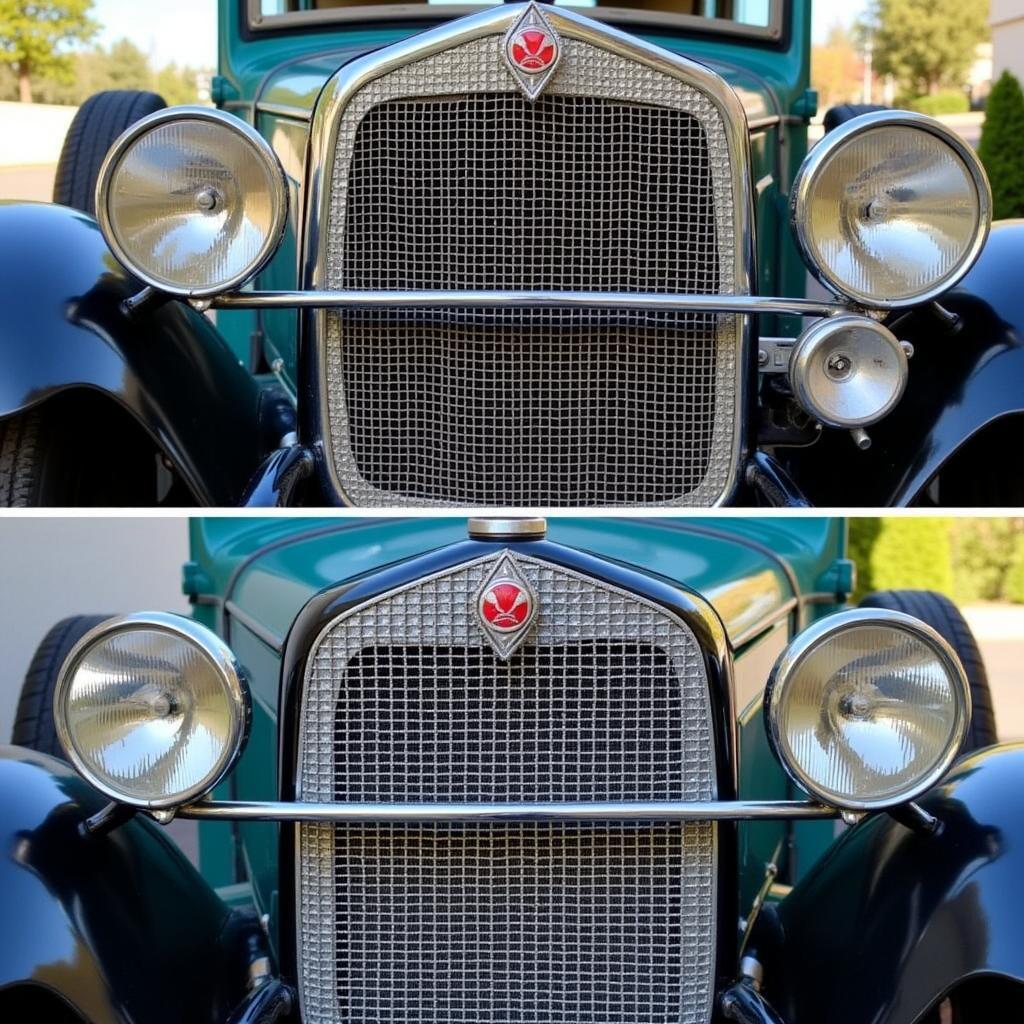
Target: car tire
x=98, y=123
x=33, y=720
x=847, y=112
x=56, y=456
x=944, y=617
x=38, y=464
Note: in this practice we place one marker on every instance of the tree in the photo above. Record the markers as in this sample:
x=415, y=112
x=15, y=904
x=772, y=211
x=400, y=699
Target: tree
x=1002, y=146
x=902, y=552
x=34, y=34
x=178, y=85
x=926, y=44
x=126, y=67
x=836, y=68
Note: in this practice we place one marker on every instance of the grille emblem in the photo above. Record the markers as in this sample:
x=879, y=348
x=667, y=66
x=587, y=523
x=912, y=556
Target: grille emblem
x=506, y=607
x=532, y=51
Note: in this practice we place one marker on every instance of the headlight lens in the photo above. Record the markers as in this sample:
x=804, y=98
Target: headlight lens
x=152, y=709
x=867, y=708
x=192, y=201
x=891, y=209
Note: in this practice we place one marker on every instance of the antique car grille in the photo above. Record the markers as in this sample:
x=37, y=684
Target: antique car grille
x=405, y=701
x=617, y=178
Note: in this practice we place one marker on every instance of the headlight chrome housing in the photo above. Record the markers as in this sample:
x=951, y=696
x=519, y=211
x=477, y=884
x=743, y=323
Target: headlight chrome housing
x=866, y=709
x=152, y=709
x=891, y=209
x=192, y=201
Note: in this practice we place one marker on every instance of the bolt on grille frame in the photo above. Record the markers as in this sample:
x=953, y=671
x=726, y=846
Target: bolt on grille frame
x=361, y=632
x=401, y=71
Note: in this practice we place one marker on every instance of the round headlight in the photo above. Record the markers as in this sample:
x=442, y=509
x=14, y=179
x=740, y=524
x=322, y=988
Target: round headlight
x=891, y=209
x=152, y=709
x=867, y=709
x=191, y=201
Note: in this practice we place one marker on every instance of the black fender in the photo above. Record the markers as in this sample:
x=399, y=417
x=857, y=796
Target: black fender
x=891, y=919
x=62, y=328
x=961, y=380
x=120, y=926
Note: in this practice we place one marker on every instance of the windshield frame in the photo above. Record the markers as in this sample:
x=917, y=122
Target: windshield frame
x=260, y=23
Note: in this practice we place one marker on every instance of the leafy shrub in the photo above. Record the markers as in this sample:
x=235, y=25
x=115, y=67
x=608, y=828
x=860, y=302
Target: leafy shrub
x=1002, y=146
x=948, y=101
x=1013, y=582
x=981, y=555
x=898, y=553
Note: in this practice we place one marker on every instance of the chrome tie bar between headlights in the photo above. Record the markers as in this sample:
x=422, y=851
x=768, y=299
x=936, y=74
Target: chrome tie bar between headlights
x=665, y=810
x=642, y=301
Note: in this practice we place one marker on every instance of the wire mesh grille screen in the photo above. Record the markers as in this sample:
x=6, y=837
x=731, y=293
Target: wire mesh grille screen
x=581, y=922
x=616, y=179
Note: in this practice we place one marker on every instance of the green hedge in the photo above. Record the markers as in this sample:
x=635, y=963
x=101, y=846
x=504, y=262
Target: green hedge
x=906, y=552
x=1013, y=582
x=949, y=101
x=1002, y=146
x=970, y=559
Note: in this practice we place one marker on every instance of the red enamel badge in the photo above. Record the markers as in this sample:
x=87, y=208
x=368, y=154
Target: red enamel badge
x=533, y=49
x=505, y=606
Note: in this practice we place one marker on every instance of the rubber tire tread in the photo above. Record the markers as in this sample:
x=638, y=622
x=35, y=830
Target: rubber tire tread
x=847, y=112
x=33, y=720
x=20, y=460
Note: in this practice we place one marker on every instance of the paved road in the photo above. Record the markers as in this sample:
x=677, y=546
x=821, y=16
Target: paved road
x=34, y=183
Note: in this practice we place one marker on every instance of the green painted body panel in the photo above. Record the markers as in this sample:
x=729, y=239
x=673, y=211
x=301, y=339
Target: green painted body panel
x=268, y=568
x=287, y=70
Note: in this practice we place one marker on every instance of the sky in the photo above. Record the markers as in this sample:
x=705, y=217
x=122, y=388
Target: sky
x=178, y=31
x=825, y=13
x=185, y=31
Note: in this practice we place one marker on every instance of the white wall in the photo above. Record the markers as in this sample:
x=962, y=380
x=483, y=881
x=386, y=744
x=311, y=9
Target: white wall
x=1007, y=20
x=54, y=567
x=33, y=133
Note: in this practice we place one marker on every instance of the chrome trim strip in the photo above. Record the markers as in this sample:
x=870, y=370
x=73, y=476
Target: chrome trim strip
x=740, y=304
x=217, y=652
x=803, y=185
x=351, y=78
x=768, y=121
x=284, y=110
x=782, y=612
x=712, y=810
x=259, y=22
x=258, y=630
x=821, y=632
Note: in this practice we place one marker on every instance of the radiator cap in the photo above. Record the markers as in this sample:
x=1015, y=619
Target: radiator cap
x=481, y=528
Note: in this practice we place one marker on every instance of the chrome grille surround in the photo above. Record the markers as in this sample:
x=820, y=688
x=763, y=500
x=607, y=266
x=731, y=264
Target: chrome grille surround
x=401, y=923
x=465, y=59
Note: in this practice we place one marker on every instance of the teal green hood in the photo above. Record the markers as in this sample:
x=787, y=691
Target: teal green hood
x=747, y=568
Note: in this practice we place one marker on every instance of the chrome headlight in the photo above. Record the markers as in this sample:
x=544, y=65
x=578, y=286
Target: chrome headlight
x=152, y=709
x=192, y=201
x=891, y=209
x=848, y=371
x=867, y=708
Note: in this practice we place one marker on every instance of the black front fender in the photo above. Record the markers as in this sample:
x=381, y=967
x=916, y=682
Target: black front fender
x=119, y=926
x=960, y=382
x=890, y=919
x=62, y=328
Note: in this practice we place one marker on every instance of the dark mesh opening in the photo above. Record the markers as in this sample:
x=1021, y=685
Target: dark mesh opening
x=466, y=924
x=539, y=407
x=599, y=720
